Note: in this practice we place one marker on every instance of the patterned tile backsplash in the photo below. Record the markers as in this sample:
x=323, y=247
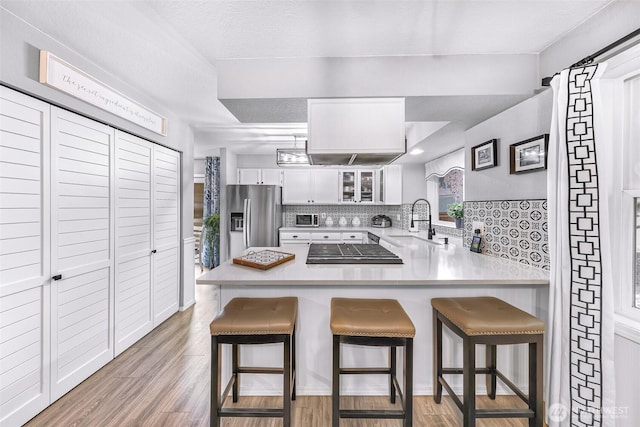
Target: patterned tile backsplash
x=363, y=212
x=514, y=229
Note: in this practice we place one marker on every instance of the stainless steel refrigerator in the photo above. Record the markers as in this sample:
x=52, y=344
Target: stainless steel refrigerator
x=254, y=215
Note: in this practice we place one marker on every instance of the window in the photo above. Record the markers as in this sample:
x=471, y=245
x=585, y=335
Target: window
x=450, y=189
x=622, y=91
x=445, y=185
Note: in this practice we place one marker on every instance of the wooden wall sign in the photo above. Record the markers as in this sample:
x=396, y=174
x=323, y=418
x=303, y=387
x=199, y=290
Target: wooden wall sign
x=65, y=77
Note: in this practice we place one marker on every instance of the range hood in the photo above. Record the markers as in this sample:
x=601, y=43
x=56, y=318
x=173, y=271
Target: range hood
x=355, y=131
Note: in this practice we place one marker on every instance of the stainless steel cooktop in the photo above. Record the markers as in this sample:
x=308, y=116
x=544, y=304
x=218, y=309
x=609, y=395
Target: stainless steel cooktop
x=347, y=253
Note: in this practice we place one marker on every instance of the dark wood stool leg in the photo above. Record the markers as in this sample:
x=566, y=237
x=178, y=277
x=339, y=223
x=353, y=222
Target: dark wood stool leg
x=235, y=357
x=535, y=381
x=492, y=365
x=335, y=383
x=469, y=382
x=293, y=363
x=437, y=357
x=408, y=382
x=286, y=389
x=393, y=368
x=216, y=384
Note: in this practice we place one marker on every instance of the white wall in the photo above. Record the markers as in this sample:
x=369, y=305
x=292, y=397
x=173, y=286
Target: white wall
x=198, y=167
x=257, y=161
x=414, y=186
x=617, y=20
x=528, y=119
x=627, y=353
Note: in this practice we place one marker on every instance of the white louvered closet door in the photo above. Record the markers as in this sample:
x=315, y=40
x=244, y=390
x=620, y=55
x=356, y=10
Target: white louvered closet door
x=166, y=233
x=24, y=257
x=133, y=287
x=81, y=249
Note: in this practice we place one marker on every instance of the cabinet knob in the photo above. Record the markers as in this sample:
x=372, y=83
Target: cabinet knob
x=57, y=277
x=154, y=251
x=326, y=237
x=295, y=237
x=353, y=237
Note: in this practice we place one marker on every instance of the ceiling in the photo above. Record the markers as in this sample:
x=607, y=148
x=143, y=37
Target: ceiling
x=240, y=72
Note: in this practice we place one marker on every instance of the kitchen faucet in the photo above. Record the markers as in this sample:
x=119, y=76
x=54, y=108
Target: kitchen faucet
x=430, y=231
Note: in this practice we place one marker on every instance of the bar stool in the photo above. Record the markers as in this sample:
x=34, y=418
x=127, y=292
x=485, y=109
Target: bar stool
x=253, y=321
x=373, y=322
x=489, y=321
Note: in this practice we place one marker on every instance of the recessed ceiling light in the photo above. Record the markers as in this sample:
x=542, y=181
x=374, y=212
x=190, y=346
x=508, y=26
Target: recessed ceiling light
x=416, y=151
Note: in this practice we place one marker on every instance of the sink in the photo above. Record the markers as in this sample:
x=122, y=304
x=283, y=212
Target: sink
x=412, y=240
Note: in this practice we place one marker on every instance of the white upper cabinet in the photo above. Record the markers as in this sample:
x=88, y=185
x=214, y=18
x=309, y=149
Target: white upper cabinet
x=297, y=187
x=307, y=186
x=260, y=176
x=389, y=185
x=324, y=186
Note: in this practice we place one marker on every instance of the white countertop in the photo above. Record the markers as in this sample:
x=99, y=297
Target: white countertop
x=424, y=264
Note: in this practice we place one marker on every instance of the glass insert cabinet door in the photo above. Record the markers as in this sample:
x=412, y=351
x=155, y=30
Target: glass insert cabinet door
x=366, y=186
x=357, y=186
x=348, y=186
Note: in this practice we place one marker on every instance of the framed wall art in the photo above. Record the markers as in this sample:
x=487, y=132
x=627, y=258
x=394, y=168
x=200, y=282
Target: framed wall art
x=485, y=155
x=529, y=155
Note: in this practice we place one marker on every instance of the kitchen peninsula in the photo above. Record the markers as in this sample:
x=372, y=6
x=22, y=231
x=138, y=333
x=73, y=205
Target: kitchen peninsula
x=429, y=270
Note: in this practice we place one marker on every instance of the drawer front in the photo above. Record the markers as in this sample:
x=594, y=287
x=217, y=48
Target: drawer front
x=325, y=237
x=294, y=242
x=294, y=235
x=352, y=237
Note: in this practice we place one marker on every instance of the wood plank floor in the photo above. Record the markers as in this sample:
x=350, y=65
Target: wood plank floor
x=163, y=380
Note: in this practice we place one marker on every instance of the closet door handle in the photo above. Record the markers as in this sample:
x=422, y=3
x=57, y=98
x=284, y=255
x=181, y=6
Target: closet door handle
x=57, y=277
x=154, y=251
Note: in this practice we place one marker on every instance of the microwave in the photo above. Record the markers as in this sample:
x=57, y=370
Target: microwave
x=307, y=220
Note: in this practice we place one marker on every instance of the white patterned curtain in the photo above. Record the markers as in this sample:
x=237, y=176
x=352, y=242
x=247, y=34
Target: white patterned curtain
x=579, y=374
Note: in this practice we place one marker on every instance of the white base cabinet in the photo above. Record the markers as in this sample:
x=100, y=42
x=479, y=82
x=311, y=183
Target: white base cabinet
x=321, y=236
x=89, y=248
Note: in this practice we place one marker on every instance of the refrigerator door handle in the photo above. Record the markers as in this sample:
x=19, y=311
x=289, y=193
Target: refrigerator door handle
x=247, y=221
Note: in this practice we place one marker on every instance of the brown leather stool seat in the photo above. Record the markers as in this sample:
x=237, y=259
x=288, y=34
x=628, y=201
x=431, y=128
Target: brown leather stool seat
x=489, y=321
x=253, y=321
x=373, y=322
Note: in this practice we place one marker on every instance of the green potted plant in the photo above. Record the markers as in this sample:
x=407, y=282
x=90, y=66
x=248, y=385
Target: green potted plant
x=456, y=211
x=212, y=235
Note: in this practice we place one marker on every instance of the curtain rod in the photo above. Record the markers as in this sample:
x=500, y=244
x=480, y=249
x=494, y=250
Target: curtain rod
x=546, y=81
